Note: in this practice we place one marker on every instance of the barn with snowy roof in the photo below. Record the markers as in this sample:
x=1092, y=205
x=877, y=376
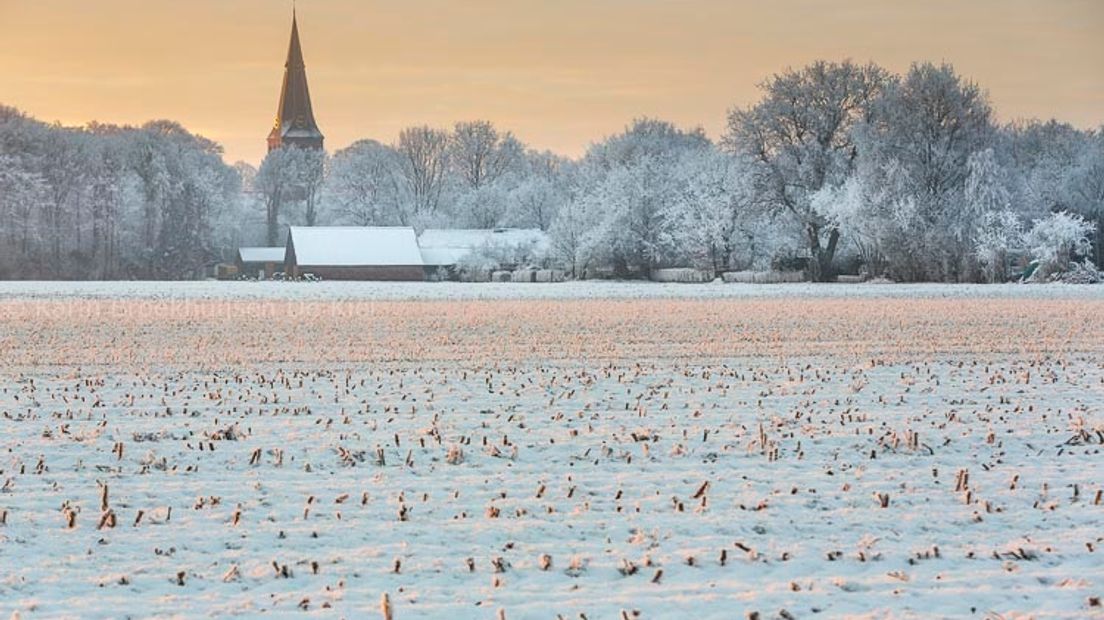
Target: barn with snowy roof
x=260, y=262
x=354, y=253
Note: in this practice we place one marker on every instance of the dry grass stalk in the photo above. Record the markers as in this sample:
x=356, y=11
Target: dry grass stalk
x=385, y=607
x=231, y=575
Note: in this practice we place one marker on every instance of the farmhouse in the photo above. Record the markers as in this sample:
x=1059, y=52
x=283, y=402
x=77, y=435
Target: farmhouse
x=393, y=253
x=261, y=262
x=354, y=253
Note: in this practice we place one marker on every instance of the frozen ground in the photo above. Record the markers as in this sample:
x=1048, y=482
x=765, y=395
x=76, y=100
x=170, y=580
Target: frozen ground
x=592, y=289
x=796, y=451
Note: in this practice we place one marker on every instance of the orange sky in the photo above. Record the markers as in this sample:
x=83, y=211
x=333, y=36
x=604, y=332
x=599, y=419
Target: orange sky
x=559, y=73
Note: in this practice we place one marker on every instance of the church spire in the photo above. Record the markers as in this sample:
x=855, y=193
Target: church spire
x=295, y=123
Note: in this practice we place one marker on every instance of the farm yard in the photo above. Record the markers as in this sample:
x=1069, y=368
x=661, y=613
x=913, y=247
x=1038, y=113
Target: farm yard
x=577, y=451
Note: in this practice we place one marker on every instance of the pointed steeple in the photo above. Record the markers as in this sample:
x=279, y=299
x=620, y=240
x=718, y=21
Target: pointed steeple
x=295, y=123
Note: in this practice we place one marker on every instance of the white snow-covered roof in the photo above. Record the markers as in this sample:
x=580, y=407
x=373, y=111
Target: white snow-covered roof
x=261, y=255
x=443, y=256
x=449, y=246
x=476, y=237
x=354, y=246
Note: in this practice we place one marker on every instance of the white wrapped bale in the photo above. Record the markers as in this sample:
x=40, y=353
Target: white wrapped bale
x=681, y=274
x=475, y=275
x=549, y=275
x=501, y=276
x=524, y=275
x=763, y=277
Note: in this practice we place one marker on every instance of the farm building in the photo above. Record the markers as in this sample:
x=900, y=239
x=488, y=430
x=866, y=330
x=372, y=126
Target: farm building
x=260, y=262
x=444, y=251
x=354, y=253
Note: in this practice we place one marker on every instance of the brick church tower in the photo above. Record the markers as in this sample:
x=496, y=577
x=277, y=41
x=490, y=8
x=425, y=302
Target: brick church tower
x=294, y=118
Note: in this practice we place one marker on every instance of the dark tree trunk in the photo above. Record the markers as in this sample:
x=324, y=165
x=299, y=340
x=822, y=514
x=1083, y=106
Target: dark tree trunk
x=821, y=258
x=273, y=221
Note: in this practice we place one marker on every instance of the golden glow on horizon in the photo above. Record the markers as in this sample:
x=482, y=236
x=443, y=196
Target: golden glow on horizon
x=559, y=74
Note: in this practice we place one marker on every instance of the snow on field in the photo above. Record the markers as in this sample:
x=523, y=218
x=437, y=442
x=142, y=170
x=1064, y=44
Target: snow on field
x=817, y=455
x=590, y=289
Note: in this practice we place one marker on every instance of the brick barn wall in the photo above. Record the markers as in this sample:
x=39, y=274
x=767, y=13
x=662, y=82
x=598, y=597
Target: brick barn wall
x=373, y=272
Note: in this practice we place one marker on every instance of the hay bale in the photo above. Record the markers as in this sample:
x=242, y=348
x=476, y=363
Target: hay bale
x=501, y=276
x=549, y=275
x=681, y=274
x=763, y=277
x=524, y=275
x=475, y=275
x=741, y=277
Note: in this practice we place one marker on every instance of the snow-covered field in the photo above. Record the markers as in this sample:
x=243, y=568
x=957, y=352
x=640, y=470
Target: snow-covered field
x=619, y=451
x=587, y=289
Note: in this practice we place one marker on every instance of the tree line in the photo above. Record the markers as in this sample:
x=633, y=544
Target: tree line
x=108, y=202
x=839, y=167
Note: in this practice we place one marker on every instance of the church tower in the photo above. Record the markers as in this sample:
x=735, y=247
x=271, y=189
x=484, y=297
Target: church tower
x=294, y=118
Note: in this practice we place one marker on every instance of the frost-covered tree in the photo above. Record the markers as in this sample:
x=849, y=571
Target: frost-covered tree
x=633, y=226
x=309, y=168
x=424, y=153
x=999, y=235
x=64, y=158
x=915, y=154
x=275, y=183
x=480, y=155
x=997, y=230
x=290, y=176
x=201, y=186
x=367, y=186
x=1085, y=187
x=801, y=136
x=1056, y=167
x=575, y=241
x=986, y=188
x=481, y=207
x=106, y=191
x=709, y=215
x=1054, y=242
x=540, y=192
x=1039, y=157
x=22, y=191
x=853, y=210
x=624, y=186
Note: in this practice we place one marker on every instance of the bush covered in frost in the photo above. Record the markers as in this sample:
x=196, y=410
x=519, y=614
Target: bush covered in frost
x=1054, y=242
